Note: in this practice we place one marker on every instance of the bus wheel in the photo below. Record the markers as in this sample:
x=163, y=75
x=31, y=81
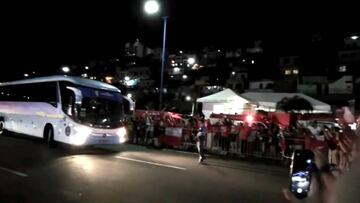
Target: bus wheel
x=2, y=127
x=49, y=136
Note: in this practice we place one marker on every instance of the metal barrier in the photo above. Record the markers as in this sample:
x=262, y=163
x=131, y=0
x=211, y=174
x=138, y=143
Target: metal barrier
x=263, y=146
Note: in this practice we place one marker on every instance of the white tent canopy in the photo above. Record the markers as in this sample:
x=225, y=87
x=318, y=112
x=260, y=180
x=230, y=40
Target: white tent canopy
x=226, y=101
x=267, y=100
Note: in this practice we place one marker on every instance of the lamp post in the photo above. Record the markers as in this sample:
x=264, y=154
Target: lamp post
x=152, y=7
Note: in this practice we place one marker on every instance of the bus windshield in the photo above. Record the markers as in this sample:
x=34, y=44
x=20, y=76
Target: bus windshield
x=93, y=107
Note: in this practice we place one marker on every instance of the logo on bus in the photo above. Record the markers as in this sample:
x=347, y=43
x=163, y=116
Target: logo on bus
x=67, y=131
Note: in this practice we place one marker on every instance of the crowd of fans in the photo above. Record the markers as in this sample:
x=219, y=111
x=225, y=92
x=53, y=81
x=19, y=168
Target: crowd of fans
x=225, y=136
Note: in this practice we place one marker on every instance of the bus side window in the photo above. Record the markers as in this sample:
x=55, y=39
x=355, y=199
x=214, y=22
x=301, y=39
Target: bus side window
x=36, y=92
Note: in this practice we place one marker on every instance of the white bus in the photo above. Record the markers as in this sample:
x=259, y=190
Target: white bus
x=65, y=109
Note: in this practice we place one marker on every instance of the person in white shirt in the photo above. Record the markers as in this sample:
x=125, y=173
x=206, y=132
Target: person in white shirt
x=316, y=131
x=200, y=139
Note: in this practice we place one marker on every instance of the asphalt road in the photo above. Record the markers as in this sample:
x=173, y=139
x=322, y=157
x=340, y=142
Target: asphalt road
x=30, y=172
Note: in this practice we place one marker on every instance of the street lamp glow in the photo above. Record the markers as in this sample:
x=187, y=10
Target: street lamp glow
x=26, y=75
x=191, y=60
x=184, y=77
x=252, y=61
x=151, y=7
x=129, y=95
x=86, y=67
x=65, y=69
x=127, y=78
x=233, y=73
x=188, y=98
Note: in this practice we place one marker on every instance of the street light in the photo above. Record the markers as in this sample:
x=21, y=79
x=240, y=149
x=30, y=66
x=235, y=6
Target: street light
x=65, y=69
x=191, y=60
x=152, y=7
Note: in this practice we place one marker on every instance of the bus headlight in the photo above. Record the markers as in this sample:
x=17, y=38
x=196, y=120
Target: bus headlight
x=122, y=135
x=80, y=135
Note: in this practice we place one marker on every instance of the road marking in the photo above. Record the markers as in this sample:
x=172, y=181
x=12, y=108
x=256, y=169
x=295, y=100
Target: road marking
x=14, y=172
x=177, y=151
x=151, y=163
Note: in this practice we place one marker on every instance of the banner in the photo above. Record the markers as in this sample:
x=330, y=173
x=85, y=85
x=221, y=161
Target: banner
x=175, y=132
x=172, y=137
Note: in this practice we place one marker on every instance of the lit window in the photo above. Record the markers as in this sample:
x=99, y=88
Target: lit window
x=287, y=72
x=342, y=69
x=109, y=79
x=295, y=72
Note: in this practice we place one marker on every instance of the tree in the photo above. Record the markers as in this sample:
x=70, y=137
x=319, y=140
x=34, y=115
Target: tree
x=295, y=103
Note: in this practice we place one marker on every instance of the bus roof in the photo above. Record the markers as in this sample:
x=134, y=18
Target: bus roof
x=72, y=79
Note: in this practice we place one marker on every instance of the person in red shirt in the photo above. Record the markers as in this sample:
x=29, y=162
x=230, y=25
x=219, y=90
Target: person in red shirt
x=225, y=135
x=244, y=134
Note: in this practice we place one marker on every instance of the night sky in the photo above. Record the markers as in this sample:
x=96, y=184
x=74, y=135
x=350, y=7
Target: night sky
x=47, y=35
